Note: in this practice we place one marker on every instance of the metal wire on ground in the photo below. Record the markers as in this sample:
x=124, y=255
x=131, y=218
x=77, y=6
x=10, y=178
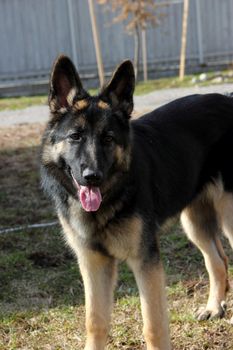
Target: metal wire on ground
x=27, y=227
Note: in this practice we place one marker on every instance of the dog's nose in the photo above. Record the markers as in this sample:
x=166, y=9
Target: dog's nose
x=92, y=176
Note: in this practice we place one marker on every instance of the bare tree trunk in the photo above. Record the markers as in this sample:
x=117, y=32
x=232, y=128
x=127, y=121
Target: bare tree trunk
x=137, y=45
x=184, y=39
x=96, y=42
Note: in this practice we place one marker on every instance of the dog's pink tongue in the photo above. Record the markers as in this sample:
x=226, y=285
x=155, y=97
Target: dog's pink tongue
x=90, y=198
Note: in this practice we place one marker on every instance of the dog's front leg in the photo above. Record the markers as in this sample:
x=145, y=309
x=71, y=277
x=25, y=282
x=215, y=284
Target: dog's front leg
x=99, y=274
x=150, y=281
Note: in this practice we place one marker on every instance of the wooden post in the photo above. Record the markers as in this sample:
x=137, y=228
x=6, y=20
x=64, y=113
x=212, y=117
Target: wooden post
x=96, y=43
x=184, y=39
x=137, y=47
x=144, y=55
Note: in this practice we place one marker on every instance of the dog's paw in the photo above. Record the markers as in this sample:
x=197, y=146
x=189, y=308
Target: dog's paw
x=206, y=313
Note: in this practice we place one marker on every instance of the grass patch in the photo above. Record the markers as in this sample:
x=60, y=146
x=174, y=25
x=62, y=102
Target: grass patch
x=41, y=291
x=13, y=103
x=190, y=80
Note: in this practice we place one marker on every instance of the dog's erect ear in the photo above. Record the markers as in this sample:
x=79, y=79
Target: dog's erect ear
x=120, y=89
x=65, y=84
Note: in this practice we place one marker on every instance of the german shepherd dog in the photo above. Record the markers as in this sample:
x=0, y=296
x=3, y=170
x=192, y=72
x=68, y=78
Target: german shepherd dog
x=114, y=182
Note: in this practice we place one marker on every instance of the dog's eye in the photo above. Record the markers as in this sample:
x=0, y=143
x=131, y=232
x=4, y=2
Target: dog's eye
x=76, y=136
x=108, y=139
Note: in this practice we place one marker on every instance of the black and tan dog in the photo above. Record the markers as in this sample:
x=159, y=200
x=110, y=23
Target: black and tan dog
x=114, y=182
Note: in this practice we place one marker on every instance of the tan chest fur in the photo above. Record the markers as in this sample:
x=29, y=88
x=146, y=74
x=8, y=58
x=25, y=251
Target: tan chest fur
x=121, y=238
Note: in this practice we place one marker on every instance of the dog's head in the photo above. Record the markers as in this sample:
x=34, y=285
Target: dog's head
x=88, y=136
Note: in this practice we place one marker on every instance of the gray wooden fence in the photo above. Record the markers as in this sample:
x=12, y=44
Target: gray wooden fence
x=34, y=32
